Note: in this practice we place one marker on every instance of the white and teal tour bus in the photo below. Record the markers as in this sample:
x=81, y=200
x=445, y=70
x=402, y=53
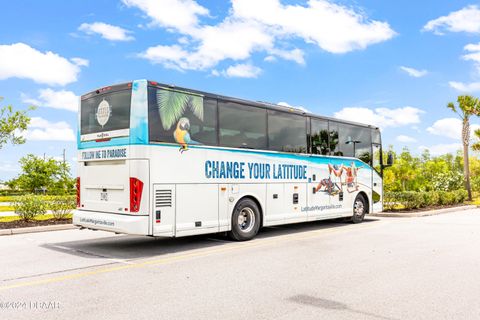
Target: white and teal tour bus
x=166, y=161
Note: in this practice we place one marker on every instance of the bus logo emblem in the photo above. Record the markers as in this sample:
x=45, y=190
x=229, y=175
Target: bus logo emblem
x=103, y=113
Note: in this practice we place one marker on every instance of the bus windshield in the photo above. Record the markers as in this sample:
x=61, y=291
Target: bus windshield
x=105, y=112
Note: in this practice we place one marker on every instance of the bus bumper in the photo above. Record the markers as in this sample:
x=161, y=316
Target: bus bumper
x=129, y=224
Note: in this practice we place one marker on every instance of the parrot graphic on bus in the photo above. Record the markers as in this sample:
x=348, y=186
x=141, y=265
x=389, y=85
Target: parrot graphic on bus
x=181, y=134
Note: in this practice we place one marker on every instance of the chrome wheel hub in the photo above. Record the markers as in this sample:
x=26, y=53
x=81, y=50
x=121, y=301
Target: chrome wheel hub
x=246, y=219
x=358, y=208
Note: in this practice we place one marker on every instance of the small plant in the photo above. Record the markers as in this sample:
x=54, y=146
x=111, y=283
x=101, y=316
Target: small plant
x=61, y=206
x=409, y=200
x=29, y=206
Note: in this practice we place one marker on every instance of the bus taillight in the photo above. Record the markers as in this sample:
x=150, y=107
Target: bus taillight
x=78, y=192
x=136, y=188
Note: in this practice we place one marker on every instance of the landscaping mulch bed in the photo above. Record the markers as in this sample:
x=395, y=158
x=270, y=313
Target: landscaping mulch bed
x=34, y=223
x=425, y=208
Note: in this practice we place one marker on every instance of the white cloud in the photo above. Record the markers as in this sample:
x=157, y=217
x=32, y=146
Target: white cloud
x=464, y=20
x=473, y=55
x=285, y=104
x=41, y=129
x=439, y=149
x=256, y=26
x=19, y=60
x=414, y=72
x=296, y=55
x=465, y=87
x=7, y=166
x=381, y=117
x=333, y=27
x=270, y=59
x=450, y=128
x=228, y=40
x=80, y=62
x=61, y=99
x=472, y=47
x=242, y=71
x=181, y=15
x=406, y=139
x=107, y=31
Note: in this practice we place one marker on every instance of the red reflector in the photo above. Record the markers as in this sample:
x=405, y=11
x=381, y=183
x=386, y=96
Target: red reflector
x=78, y=192
x=136, y=188
x=158, y=221
x=103, y=140
x=153, y=83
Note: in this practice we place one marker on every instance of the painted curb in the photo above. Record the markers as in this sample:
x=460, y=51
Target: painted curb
x=422, y=213
x=53, y=227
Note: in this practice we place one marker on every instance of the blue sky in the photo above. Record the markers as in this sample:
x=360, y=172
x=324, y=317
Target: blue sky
x=395, y=64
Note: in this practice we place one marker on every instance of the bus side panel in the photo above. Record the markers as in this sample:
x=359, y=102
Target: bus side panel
x=275, y=208
x=224, y=215
x=163, y=213
x=196, y=209
x=295, y=200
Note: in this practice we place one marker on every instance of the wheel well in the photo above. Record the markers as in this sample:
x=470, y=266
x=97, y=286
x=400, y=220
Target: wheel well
x=258, y=205
x=366, y=199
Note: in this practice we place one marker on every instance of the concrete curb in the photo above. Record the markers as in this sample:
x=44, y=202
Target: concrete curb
x=422, y=213
x=53, y=227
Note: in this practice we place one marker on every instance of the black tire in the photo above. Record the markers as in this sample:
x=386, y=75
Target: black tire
x=360, y=208
x=245, y=220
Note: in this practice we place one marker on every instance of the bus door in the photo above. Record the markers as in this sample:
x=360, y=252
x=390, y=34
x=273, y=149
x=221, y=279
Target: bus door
x=377, y=182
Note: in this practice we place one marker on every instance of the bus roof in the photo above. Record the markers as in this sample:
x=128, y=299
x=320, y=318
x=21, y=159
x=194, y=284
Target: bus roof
x=262, y=104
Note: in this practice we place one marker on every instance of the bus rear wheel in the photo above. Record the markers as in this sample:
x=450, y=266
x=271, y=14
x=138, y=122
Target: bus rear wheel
x=245, y=220
x=360, y=208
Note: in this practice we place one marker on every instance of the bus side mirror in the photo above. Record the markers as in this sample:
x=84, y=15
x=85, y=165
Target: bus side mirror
x=389, y=160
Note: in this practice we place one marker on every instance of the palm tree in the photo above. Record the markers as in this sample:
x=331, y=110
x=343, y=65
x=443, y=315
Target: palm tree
x=172, y=105
x=467, y=106
x=476, y=145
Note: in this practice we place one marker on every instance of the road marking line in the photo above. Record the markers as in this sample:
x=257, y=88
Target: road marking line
x=197, y=253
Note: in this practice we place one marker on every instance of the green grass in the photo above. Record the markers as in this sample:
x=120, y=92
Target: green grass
x=7, y=198
x=475, y=201
x=38, y=218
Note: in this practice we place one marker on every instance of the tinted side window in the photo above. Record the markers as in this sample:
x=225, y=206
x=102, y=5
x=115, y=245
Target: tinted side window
x=354, y=141
x=287, y=132
x=363, y=149
x=179, y=117
x=242, y=126
x=319, y=137
x=117, y=107
x=376, y=136
x=333, y=139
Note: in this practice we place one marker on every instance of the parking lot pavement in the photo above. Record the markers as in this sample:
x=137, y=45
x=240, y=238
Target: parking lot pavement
x=385, y=268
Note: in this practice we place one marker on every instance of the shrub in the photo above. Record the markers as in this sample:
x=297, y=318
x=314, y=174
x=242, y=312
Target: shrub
x=29, y=206
x=61, y=206
x=431, y=198
x=409, y=200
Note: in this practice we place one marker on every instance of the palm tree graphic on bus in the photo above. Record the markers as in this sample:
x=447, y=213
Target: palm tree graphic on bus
x=172, y=106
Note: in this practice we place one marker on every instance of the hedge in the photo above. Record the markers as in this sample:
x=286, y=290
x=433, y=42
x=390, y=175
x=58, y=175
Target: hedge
x=409, y=200
x=29, y=206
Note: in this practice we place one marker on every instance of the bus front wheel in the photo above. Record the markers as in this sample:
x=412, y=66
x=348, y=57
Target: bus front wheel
x=245, y=220
x=360, y=208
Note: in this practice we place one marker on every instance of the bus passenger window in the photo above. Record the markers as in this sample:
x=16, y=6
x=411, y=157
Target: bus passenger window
x=242, y=126
x=287, y=132
x=168, y=108
x=319, y=137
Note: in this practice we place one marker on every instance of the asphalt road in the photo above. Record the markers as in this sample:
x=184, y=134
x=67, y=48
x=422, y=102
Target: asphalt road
x=385, y=268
